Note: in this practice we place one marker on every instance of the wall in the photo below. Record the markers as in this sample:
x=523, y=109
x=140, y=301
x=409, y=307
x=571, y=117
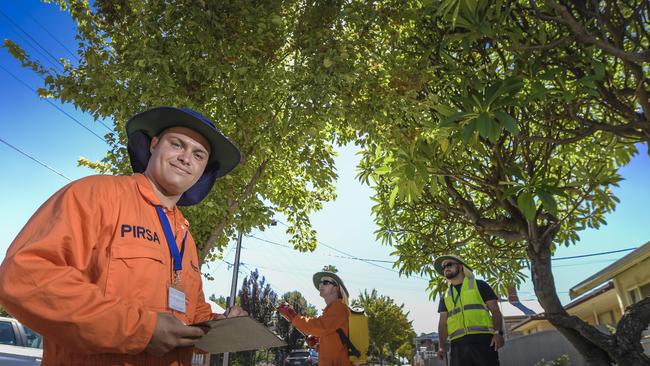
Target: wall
x=634, y=276
x=529, y=350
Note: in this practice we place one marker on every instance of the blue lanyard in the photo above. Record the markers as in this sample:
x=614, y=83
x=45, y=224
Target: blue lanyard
x=455, y=298
x=177, y=257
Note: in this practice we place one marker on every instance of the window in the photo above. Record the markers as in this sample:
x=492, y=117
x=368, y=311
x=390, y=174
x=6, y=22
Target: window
x=7, y=335
x=639, y=293
x=634, y=296
x=645, y=291
x=34, y=339
x=606, y=318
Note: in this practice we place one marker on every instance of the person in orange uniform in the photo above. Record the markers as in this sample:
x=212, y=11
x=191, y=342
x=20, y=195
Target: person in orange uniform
x=107, y=270
x=323, y=329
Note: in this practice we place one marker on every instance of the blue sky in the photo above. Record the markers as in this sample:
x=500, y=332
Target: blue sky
x=40, y=130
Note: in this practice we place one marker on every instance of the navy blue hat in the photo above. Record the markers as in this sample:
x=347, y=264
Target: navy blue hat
x=224, y=155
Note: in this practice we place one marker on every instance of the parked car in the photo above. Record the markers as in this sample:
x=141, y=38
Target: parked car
x=301, y=357
x=19, y=345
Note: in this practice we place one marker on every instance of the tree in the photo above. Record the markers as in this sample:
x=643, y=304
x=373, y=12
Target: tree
x=291, y=335
x=260, y=301
x=221, y=301
x=613, y=34
x=501, y=122
x=391, y=333
x=485, y=136
x=244, y=65
x=257, y=298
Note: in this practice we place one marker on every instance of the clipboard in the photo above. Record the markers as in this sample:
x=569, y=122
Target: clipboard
x=236, y=334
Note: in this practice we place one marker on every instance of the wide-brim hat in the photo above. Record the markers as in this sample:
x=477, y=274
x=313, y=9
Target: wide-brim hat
x=318, y=275
x=224, y=154
x=437, y=263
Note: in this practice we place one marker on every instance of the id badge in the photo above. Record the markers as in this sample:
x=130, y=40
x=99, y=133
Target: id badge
x=176, y=299
x=176, y=296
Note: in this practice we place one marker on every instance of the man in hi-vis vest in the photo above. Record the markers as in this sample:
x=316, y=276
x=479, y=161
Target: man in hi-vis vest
x=469, y=316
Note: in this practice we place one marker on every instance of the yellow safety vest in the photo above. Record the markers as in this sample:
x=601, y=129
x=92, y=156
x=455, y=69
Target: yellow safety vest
x=467, y=312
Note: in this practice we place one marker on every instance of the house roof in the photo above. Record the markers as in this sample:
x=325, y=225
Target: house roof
x=636, y=256
x=595, y=293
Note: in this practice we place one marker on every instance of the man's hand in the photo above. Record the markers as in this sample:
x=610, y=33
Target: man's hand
x=171, y=333
x=235, y=311
x=286, y=311
x=312, y=341
x=441, y=354
x=497, y=342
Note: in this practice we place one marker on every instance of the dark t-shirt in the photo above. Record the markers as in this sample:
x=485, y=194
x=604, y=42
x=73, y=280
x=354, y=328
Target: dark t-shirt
x=487, y=294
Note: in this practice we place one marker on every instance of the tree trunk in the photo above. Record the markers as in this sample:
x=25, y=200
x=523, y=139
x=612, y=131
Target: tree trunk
x=233, y=205
x=544, y=283
x=628, y=332
x=598, y=348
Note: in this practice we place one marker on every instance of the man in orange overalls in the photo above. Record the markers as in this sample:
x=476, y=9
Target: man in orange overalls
x=323, y=329
x=106, y=270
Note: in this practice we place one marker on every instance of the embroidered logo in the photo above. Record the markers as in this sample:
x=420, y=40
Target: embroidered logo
x=139, y=232
x=194, y=266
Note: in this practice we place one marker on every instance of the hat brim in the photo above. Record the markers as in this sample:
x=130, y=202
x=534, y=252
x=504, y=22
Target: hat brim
x=437, y=263
x=155, y=120
x=318, y=275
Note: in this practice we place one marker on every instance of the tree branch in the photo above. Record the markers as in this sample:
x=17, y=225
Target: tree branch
x=233, y=205
x=591, y=333
x=631, y=326
x=504, y=229
x=583, y=36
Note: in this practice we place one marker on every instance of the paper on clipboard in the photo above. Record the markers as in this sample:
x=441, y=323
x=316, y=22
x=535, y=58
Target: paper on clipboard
x=236, y=334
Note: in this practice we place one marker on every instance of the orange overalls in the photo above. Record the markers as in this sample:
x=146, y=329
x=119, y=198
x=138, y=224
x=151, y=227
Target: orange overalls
x=90, y=272
x=331, y=351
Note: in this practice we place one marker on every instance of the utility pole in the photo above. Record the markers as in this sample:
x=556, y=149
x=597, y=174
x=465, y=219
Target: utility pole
x=233, y=287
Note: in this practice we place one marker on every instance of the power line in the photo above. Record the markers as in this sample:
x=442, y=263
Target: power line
x=269, y=241
x=593, y=254
x=298, y=272
x=584, y=263
x=223, y=260
x=37, y=51
x=34, y=159
x=348, y=256
x=329, y=255
x=48, y=53
x=54, y=37
x=368, y=261
x=54, y=105
x=32, y=38
x=34, y=49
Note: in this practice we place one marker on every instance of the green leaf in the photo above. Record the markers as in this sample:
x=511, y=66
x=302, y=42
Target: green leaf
x=445, y=110
x=393, y=195
x=511, y=191
x=468, y=131
x=526, y=204
x=382, y=170
x=508, y=122
x=599, y=70
x=493, y=92
x=548, y=201
x=487, y=127
x=512, y=85
x=452, y=119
